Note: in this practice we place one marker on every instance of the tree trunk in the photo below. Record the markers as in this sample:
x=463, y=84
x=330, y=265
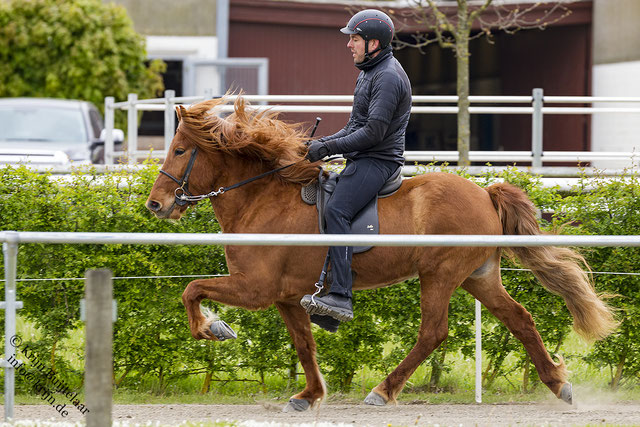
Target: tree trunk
x=161, y=380
x=293, y=368
x=525, y=375
x=206, y=385
x=347, y=380
x=615, y=381
x=437, y=364
x=462, y=60
x=264, y=386
x=122, y=377
x=493, y=368
x=53, y=355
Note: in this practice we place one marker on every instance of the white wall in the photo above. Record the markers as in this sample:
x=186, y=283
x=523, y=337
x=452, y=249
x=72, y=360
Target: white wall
x=186, y=48
x=614, y=131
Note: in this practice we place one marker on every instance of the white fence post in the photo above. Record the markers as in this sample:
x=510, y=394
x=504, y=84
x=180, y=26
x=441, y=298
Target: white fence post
x=109, y=124
x=536, y=128
x=169, y=118
x=11, y=341
x=132, y=128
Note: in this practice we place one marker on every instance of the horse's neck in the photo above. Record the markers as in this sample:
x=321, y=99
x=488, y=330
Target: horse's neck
x=252, y=207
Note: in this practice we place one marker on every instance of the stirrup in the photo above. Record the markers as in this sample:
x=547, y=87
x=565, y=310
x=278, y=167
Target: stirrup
x=320, y=283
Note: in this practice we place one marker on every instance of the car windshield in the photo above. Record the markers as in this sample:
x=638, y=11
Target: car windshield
x=42, y=124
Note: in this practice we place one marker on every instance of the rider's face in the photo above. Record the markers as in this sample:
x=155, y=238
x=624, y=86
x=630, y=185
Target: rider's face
x=356, y=45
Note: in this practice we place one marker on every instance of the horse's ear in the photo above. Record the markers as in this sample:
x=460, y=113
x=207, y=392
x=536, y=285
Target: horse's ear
x=180, y=110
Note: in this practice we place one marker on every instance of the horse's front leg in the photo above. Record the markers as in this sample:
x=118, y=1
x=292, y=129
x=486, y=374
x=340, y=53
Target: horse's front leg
x=299, y=326
x=228, y=290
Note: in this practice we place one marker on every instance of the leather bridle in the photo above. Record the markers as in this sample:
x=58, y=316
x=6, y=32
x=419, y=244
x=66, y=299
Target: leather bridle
x=183, y=182
x=183, y=196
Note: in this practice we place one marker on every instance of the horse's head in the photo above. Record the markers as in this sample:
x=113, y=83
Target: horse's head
x=208, y=149
x=184, y=171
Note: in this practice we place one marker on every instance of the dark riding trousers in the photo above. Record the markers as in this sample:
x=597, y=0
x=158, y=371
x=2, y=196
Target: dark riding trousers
x=358, y=184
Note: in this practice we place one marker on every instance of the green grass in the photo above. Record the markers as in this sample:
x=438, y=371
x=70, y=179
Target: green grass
x=457, y=384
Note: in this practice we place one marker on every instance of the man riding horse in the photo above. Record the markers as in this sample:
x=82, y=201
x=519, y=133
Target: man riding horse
x=373, y=143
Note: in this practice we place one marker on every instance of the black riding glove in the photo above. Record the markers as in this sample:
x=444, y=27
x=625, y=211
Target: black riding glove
x=317, y=150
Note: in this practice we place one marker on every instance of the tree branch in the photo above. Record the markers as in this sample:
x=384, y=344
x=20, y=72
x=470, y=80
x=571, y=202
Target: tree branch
x=476, y=13
x=441, y=25
x=511, y=20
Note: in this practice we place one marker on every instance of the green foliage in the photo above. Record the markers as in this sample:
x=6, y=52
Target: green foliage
x=154, y=350
x=358, y=343
x=151, y=335
x=603, y=206
x=77, y=49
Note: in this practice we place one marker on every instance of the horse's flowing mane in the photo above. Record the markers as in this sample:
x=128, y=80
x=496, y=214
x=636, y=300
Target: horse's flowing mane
x=249, y=133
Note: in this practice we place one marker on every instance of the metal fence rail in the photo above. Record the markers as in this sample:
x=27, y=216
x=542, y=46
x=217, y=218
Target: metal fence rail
x=11, y=239
x=537, y=107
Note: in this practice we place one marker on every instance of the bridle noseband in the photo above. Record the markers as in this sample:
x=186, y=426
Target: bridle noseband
x=182, y=192
x=183, y=196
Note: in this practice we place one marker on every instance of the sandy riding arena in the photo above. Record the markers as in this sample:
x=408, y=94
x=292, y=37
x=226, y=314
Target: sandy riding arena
x=552, y=413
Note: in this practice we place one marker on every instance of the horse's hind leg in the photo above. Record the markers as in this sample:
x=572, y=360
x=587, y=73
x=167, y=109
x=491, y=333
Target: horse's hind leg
x=487, y=288
x=434, y=306
x=299, y=327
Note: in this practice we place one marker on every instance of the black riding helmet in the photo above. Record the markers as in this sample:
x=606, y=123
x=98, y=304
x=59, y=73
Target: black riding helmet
x=371, y=24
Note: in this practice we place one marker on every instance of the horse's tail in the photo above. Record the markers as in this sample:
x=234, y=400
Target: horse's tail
x=559, y=269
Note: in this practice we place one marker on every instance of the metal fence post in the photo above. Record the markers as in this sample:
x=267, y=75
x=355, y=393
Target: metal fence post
x=109, y=124
x=10, y=251
x=536, y=128
x=263, y=77
x=132, y=128
x=478, y=352
x=169, y=118
x=99, y=347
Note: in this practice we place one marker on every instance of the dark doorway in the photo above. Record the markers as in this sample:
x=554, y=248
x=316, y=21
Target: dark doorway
x=152, y=122
x=556, y=60
x=432, y=71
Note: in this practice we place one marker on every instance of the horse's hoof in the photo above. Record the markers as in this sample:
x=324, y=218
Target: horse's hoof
x=375, y=399
x=566, y=393
x=222, y=331
x=296, y=405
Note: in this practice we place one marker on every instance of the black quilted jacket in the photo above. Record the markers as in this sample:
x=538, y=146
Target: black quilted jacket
x=380, y=113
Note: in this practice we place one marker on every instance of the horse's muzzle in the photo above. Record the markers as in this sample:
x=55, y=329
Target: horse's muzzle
x=156, y=208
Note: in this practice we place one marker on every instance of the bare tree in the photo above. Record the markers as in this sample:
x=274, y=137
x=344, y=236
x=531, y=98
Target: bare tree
x=453, y=24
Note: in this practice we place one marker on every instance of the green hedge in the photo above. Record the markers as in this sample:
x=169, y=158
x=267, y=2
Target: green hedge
x=77, y=49
x=152, y=343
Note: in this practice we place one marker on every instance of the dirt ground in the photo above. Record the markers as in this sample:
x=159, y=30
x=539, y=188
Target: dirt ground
x=552, y=413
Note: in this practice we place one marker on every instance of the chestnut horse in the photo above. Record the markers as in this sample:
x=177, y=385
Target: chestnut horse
x=248, y=143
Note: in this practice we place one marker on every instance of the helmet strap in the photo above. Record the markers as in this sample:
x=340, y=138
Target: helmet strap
x=367, y=54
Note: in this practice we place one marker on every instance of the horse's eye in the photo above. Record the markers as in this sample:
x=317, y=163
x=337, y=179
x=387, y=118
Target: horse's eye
x=179, y=151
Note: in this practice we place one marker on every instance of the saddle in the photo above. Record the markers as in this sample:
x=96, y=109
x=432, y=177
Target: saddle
x=366, y=221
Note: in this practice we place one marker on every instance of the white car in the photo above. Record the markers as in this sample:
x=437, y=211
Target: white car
x=44, y=131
